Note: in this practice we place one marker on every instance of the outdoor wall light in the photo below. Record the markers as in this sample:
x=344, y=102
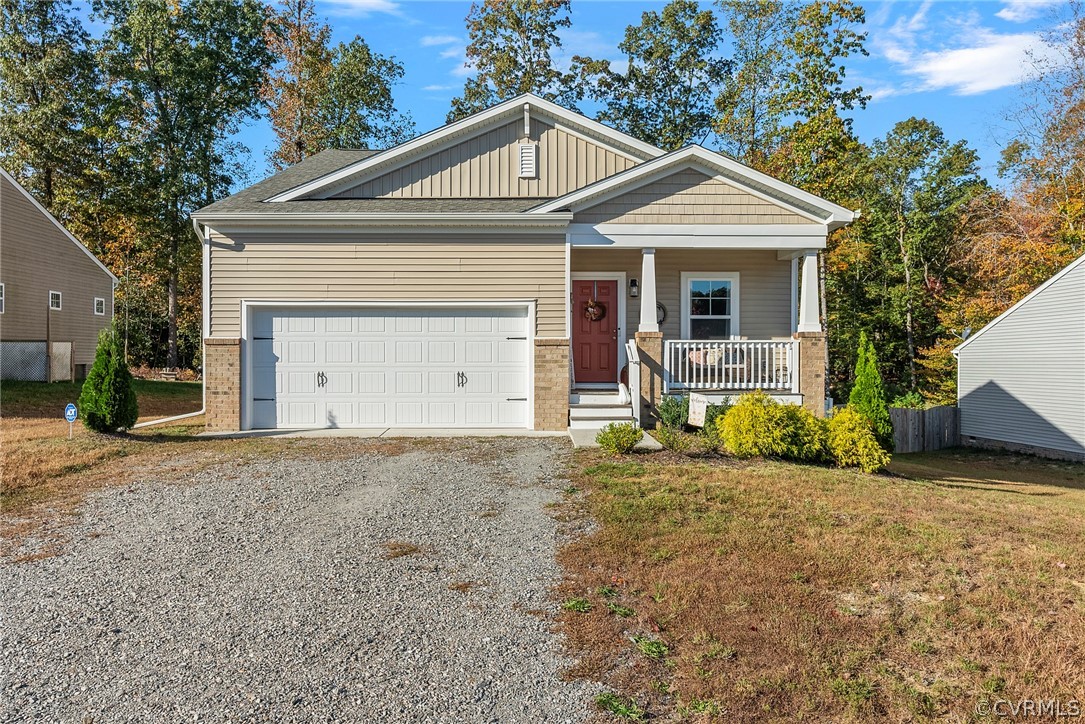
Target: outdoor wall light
x=634, y=290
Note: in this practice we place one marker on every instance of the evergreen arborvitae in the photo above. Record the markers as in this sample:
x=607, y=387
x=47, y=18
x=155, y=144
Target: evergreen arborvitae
x=108, y=400
x=868, y=394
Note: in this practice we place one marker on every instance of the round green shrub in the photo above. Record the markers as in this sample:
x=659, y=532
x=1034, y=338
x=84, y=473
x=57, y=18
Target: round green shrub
x=107, y=401
x=758, y=426
x=619, y=438
x=853, y=443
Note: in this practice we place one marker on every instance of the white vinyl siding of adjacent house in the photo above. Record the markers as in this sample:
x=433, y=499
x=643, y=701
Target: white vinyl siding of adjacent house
x=433, y=268
x=1022, y=381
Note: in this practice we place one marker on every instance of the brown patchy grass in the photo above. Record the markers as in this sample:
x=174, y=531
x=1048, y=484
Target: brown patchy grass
x=399, y=549
x=782, y=592
x=45, y=476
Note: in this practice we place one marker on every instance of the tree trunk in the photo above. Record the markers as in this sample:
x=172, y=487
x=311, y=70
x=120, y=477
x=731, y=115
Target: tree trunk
x=171, y=355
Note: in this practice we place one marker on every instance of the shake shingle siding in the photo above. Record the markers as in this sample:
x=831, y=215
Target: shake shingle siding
x=1022, y=380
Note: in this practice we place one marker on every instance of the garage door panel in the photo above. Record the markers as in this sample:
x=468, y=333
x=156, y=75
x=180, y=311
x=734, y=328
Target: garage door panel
x=340, y=414
x=383, y=367
x=300, y=353
x=408, y=352
x=408, y=413
x=441, y=352
x=372, y=352
x=371, y=383
x=300, y=383
x=339, y=352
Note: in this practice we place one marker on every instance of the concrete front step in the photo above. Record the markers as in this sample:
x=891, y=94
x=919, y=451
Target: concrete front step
x=597, y=424
x=594, y=398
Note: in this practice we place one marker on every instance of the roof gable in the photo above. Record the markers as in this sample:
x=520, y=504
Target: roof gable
x=687, y=196
x=813, y=209
x=1023, y=302
x=460, y=132
x=486, y=165
x=52, y=219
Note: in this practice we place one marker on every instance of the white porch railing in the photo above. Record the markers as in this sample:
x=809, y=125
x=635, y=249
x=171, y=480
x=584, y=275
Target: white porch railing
x=634, y=378
x=730, y=365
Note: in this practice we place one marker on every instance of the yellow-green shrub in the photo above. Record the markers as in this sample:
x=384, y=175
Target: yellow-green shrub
x=853, y=443
x=757, y=425
x=619, y=438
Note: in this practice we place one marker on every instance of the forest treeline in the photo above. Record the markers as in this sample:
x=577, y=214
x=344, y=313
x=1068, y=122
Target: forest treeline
x=125, y=131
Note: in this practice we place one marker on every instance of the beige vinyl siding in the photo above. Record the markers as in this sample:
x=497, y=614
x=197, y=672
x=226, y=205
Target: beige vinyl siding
x=688, y=197
x=1023, y=380
x=437, y=268
x=35, y=258
x=764, y=285
x=487, y=166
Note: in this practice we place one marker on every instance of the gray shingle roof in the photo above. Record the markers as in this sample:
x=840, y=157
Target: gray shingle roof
x=250, y=200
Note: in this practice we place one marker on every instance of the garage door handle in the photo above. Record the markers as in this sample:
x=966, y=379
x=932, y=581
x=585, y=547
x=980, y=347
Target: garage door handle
x=515, y=399
x=523, y=338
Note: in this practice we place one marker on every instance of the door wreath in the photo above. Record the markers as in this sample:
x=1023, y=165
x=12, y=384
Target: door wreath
x=595, y=310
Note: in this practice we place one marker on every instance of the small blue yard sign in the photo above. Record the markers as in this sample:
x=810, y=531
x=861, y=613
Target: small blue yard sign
x=70, y=413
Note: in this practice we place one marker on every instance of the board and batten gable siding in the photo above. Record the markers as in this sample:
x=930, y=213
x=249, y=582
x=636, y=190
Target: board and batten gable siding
x=688, y=197
x=35, y=258
x=420, y=268
x=764, y=285
x=487, y=166
x=1022, y=381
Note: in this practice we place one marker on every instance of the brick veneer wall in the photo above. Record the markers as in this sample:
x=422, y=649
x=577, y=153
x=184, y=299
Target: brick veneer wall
x=812, y=361
x=222, y=375
x=551, y=383
x=650, y=351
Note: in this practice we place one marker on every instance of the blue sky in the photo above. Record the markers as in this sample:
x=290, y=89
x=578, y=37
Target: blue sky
x=959, y=64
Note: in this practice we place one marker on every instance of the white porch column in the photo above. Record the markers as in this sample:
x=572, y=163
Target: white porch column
x=648, y=319
x=809, y=304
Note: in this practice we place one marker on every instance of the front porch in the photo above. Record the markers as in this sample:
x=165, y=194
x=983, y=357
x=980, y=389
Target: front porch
x=718, y=321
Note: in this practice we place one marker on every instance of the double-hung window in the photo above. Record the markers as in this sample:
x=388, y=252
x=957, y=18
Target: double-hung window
x=99, y=306
x=709, y=305
x=1, y=297
x=54, y=300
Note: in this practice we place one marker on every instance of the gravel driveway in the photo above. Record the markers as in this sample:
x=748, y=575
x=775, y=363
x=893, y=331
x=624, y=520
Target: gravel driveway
x=265, y=592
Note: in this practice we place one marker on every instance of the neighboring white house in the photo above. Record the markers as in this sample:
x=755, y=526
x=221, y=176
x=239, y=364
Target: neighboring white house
x=1021, y=379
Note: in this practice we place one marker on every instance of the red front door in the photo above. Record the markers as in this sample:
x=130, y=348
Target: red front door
x=595, y=330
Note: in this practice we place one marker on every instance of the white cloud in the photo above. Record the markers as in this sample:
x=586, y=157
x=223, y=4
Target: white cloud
x=1021, y=11
x=452, y=53
x=429, y=41
x=439, y=88
x=362, y=8
x=991, y=61
x=975, y=60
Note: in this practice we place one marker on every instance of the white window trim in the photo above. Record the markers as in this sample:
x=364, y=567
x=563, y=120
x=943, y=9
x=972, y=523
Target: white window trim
x=60, y=301
x=3, y=298
x=96, y=312
x=731, y=276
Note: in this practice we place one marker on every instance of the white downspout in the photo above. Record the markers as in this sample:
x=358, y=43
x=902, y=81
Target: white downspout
x=205, y=237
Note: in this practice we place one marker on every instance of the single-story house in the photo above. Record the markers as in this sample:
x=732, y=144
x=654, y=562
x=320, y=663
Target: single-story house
x=55, y=295
x=1021, y=379
x=521, y=268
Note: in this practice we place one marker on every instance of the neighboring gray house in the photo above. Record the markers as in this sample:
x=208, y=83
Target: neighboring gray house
x=54, y=294
x=1021, y=379
x=525, y=267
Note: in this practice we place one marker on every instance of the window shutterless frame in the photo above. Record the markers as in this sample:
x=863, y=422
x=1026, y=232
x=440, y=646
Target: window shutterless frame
x=732, y=312
x=2, y=298
x=55, y=299
x=99, y=307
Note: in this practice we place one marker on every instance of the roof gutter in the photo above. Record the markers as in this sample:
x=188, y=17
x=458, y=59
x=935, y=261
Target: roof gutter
x=332, y=218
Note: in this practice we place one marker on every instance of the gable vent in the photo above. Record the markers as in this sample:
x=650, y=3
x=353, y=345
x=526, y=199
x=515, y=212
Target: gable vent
x=529, y=157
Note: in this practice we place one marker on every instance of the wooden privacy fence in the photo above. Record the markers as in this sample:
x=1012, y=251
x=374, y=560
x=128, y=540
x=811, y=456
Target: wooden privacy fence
x=925, y=430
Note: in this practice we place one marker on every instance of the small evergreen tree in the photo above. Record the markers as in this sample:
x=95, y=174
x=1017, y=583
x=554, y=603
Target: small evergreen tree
x=868, y=395
x=108, y=400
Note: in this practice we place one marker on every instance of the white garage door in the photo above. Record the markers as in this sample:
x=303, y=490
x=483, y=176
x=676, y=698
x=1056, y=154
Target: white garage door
x=389, y=368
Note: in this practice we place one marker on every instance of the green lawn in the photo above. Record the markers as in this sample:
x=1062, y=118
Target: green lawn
x=766, y=591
